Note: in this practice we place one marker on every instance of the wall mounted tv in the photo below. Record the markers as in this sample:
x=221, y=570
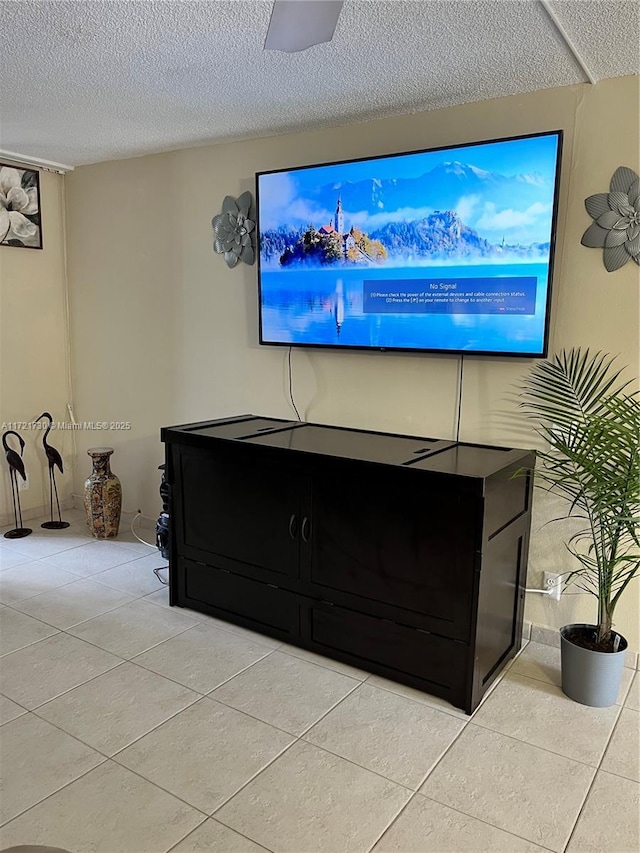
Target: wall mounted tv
x=448, y=250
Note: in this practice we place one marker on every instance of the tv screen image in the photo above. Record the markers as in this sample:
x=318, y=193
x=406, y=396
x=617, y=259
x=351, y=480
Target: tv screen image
x=446, y=250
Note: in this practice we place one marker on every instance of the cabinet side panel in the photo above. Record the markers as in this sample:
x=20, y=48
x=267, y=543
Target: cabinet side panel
x=499, y=625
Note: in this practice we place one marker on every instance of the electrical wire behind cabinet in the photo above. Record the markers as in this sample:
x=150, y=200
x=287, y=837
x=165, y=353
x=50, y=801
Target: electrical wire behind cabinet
x=293, y=403
x=459, y=397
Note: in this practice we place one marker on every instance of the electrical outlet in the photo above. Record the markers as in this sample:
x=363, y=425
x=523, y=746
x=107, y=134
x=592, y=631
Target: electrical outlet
x=554, y=582
x=23, y=485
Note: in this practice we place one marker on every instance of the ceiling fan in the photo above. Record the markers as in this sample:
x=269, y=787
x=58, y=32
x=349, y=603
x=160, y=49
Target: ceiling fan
x=299, y=24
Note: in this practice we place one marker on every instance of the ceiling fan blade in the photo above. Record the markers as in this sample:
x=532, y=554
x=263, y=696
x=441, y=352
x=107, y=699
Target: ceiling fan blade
x=298, y=24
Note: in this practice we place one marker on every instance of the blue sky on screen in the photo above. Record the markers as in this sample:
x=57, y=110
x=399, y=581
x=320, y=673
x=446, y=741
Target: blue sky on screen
x=520, y=211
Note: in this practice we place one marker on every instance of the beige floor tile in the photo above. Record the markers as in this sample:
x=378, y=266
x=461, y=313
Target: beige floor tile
x=132, y=629
x=429, y=827
x=18, y=631
x=517, y=787
x=43, y=543
x=610, y=818
x=203, y=657
x=321, y=660
x=542, y=662
x=73, y=603
x=539, y=661
x=110, y=810
x=545, y=636
x=135, y=578
x=540, y=714
x=393, y=736
x=633, y=696
x=117, y=708
x=254, y=636
x=310, y=800
x=214, y=836
x=417, y=695
x=143, y=549
x=92, y=557
x=289, y=693
x=34, y=675
x=623, y=753
x=10, y=558
x=161, y=598
x=205, y=753
x=9, y=710
x=31, y=579
x=37, y=759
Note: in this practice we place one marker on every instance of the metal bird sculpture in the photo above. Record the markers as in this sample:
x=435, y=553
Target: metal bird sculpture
x=16, y=466
x=54, y=459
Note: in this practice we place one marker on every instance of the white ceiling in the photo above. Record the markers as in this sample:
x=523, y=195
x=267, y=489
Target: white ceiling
x=89, y=81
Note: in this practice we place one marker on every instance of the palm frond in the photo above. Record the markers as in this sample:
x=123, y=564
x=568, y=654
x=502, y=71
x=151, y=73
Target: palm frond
x=590, y=422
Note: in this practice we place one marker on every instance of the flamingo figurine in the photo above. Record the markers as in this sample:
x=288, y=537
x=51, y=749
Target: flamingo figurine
x=16, y=466
x=54, y=459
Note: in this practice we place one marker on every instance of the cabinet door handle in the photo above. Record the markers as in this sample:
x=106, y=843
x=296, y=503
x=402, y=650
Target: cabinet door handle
x=305, y=529
x=293, y=526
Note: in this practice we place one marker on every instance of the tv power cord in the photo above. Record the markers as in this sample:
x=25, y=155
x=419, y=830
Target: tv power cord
x=154, y=546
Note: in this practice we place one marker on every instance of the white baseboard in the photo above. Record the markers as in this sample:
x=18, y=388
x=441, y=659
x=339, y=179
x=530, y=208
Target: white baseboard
x=35, y=512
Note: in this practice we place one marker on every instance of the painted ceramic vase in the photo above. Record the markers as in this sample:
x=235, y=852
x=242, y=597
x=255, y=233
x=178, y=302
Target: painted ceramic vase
x=102, y=495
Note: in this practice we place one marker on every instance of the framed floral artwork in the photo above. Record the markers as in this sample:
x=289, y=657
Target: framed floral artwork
x=20, y=223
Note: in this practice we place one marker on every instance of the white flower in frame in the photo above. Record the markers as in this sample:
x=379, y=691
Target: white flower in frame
x=19, y=204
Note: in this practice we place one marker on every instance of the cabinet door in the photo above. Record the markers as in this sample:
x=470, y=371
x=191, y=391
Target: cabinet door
x=246, y=514
x=392, y=541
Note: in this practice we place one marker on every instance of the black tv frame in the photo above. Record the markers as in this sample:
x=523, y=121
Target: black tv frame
x=427, y=350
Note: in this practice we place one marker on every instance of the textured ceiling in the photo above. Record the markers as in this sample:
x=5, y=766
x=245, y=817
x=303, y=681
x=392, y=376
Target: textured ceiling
x=89, y=81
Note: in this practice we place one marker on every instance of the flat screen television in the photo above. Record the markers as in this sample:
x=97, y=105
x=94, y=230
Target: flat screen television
x=448, y=250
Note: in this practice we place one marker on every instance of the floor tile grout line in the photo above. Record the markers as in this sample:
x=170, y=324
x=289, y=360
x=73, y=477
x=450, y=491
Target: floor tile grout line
x=82, y=683
x=326, y=714
x=101, y=764
x=120, y=606
x=320, y=665
x=535, y=745
x=323, y=665
x=75, y=624
x=418, y=794
x=610, y=738
x=29, y=597
x=98, y=750
x=581, y=809
x=393, y=820
x=441, y=758
x=230, y=796
x=116, y=654
x=559, y=687
x=210, y=695
x=456, y=713
x=184, y=837
x=57, y=791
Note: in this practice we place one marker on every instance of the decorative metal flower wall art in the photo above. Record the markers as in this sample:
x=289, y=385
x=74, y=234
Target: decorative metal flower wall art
x=234, y=230
x=617, y=220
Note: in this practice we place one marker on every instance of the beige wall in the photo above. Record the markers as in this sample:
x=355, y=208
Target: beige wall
x=34, y=351
x=163, y=332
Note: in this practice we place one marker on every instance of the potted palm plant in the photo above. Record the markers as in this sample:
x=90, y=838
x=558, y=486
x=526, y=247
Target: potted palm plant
x=589, y=420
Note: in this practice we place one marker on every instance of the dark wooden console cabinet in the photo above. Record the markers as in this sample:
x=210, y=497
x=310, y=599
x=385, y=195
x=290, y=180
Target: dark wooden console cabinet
x=403, y=556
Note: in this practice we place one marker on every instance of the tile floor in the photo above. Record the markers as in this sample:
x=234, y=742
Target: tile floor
x=128, y=726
